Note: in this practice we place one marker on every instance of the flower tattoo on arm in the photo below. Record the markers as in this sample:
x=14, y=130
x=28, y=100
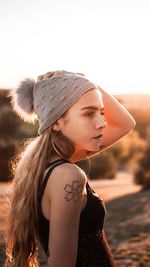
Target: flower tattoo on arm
x=73, y=192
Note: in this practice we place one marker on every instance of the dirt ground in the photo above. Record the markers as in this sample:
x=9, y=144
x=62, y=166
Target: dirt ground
x=127, y=222
x=128, y=229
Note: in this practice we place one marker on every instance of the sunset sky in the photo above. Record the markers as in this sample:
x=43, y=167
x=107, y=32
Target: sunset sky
x=108, y=40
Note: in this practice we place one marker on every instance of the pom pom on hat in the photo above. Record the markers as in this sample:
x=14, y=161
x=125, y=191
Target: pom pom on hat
x=22, y=100
x=49, y=98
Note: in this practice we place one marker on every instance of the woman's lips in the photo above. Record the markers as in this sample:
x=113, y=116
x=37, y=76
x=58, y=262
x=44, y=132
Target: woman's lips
x=98, y=136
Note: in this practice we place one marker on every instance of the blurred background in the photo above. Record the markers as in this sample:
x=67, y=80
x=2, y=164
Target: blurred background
x=109, y=41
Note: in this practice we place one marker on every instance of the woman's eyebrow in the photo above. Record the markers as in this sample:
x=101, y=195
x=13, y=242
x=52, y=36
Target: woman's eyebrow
x=92, y=107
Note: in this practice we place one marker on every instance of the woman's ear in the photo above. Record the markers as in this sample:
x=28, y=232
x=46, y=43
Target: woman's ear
x=56, y=126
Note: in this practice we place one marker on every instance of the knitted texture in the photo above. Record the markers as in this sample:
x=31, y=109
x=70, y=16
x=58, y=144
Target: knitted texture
x=55, y=95
x=48, y=98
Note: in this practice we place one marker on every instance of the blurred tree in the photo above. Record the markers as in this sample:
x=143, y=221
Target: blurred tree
x=142, y=173
x=100, y=166
x=128, y=149
x=7, y=151
x=103, y=165
x=142, y=117
x=13, y=132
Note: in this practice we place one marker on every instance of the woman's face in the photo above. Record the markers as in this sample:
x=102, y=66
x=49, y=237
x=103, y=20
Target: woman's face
x=82, y=123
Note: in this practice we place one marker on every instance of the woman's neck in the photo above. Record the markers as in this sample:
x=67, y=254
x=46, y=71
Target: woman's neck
x=79, y=155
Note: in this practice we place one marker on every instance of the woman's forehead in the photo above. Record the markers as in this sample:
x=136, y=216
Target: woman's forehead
x=91, y=96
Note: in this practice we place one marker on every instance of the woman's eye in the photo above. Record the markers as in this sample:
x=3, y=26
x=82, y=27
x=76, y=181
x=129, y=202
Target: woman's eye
x=89, y=114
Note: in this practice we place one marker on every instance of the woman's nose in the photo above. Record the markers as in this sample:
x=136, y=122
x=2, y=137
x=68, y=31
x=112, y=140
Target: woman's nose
x=101, y=122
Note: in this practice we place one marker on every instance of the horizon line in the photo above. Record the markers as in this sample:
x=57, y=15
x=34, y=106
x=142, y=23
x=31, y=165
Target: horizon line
x=130, y=93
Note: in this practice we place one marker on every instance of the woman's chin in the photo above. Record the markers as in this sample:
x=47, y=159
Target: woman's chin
x=92, y=151
x=94, y=148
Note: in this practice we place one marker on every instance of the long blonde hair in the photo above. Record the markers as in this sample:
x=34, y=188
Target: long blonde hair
x=21, y=242
x=27, y=169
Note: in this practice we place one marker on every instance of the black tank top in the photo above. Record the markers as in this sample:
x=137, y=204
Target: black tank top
x=93, y=249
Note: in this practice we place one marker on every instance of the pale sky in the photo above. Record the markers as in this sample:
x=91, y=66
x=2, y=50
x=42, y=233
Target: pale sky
x=108, y=40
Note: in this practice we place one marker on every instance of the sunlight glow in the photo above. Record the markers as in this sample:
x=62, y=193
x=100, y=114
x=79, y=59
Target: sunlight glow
x=107, y=40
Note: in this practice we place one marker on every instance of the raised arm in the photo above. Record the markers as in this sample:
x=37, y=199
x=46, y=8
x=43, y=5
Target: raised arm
x=119, y=120
x=67, y=186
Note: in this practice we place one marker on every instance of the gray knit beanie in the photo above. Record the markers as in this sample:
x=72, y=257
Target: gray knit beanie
x=49, y=97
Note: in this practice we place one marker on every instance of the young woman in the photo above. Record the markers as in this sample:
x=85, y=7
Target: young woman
x=52, y=201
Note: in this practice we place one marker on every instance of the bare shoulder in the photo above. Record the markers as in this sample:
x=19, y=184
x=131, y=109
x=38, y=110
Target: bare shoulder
x=67, y=171
x=67, y=177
